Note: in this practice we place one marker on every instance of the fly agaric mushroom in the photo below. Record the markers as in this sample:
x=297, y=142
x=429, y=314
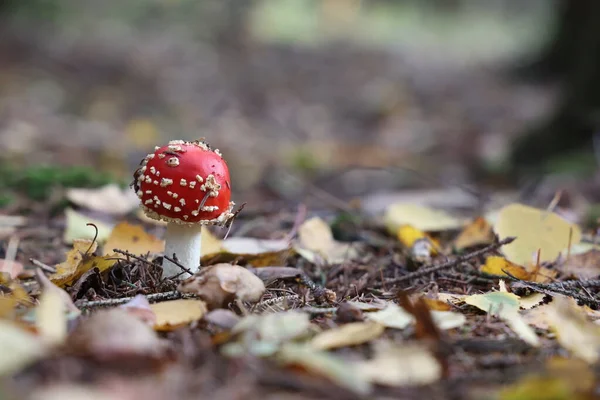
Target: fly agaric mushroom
x=187, y=185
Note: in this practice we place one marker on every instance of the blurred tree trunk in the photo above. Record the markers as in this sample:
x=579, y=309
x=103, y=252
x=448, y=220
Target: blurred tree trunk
x=574, y=59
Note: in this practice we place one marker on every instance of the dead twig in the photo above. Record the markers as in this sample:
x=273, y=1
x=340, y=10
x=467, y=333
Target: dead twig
x=164, y=296
x=449, y=264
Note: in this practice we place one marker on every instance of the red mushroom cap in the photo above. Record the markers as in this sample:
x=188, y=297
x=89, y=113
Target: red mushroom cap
x=185, y=182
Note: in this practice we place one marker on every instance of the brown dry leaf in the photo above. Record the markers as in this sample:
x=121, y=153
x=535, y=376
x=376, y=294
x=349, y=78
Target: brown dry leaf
x=351, y=334
x=496, y=265
x=574, y=331
x=582, y=266
x=79, y=261
x=401, y=365
x=113, y=334
x=535, y=230
x=109, y=199
x=315, y=241
x=478, y=232
x=174, y=314
x=16, y=296
x=134, y=239
x=220, y=284
x=437, y=305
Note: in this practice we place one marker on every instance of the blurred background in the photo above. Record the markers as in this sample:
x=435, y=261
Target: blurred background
x=349, y=96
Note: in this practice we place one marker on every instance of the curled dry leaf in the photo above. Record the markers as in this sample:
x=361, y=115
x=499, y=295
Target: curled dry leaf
x=315, y=242
x=220, y=284
x=134, y=239
x=79, y=261
x=174, y=314
x=115, y=333
x=109, y=199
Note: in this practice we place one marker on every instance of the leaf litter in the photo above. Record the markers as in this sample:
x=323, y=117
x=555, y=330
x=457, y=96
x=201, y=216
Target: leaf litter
x=263, y=297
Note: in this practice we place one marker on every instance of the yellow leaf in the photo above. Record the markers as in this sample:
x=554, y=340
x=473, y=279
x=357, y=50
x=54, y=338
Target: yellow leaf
x=351, y=334
x=496, y=265
x=256, y=252
x=423, y=218
x=478, y=232
x=532, y=300
x=535, y=230
x=171, y=315
x=78, y=262
x=134, y=239
x=77, y=228
x=422, y=246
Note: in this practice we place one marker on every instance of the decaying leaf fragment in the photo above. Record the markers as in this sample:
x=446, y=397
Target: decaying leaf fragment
x=477, y=232
x=220, y=284
x=315, y=241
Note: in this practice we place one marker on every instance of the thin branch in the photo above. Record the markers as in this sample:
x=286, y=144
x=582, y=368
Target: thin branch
x=449, y=264
x=164, y=296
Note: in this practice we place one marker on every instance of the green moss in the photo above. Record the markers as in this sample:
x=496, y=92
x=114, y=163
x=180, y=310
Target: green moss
x=37, y=182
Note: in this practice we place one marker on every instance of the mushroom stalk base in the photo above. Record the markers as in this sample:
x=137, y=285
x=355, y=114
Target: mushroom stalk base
x=186, y=243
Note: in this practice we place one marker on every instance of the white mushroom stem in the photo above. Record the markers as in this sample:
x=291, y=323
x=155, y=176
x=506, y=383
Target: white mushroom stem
x=185, y=241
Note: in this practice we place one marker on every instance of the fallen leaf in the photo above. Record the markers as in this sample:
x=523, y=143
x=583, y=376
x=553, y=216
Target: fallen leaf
x=376, y=305
x=478, y=232
x=174, y=314
x=77, y=228
x=392, y=316
x=437, y=305
x=51, y=317
x=506, y=307
x=351, y=334
x=252, y=251
x=421, y=217
x=574, y=331
x=108, y=199
x=16, y=296
x=447, y=320
x=534, y=299
x=275, y=327
x=245, y=245
x=220, y=284
x=582, y=266
x=496, y=265
x=18, y=347
x=325, y=365
x=134, y=239
x=401, y=365
x=534, y=230
x=315, y=240
x=79, y=261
